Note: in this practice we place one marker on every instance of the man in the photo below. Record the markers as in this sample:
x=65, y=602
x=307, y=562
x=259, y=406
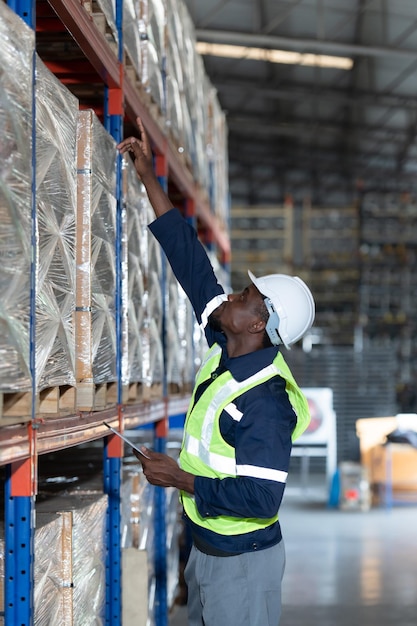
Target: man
x=245, y=411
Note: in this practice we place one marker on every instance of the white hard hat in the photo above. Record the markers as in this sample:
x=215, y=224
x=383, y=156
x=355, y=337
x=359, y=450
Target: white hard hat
x=290, y=306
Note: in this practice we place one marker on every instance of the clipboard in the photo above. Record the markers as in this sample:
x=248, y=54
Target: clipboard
x=126, y=440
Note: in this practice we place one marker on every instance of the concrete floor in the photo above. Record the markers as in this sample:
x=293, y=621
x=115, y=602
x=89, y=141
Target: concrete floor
x=345, y=568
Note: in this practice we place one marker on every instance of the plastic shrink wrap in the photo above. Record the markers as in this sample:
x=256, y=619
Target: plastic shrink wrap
x=180, y=78
x=70, y=577
x=56, y=544
x=137, y=497
x=176, y=75
x=155, y=304
x=143, y=289
x=179, y=347
x=138, y=517
x=153, y=25
x=133, y=28
x=218, y=162
x=56, y=198
x=16, y=53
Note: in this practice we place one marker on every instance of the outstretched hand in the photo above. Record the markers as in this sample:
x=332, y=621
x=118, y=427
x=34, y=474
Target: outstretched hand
x=141, y=150
x=163, y=471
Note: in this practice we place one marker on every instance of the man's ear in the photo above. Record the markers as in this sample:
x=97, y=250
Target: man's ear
x=257, y=326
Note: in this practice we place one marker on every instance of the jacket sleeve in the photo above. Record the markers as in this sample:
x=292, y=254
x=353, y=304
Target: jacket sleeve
x=191, y=266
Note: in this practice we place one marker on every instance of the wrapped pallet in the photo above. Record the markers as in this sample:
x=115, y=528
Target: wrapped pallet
x=138, y=533
x=154, y=321
x=96, y=343
x=16, y=70
x=144, y=324
x=179, y=348
x=56, y=196
x=175, y=75
x=69, y=563
x=138, y=544
x=218, y=162
x=104, y=16
x=153, y=20
x=132, y=41
x=63, y=546
x=181, y=78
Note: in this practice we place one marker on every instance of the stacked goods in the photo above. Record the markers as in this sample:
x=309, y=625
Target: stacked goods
x=103, y=13
x=161, y=61
x=96, y=263
x=64, y=543
x=177, y=117
x=138, y=529
x=153, y=53
x=56, y=198
x=132, y=38
x=155, y=307
x=69, y=571
x=71, y=332
x=142, y=280
x=16, y=53
x=186, y=89
x=138, y=534
x=217, y=158
x=179, y=350
x=329, y=255
x=262, y=241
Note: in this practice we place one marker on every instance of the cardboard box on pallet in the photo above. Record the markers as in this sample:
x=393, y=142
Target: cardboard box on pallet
x=95, y=314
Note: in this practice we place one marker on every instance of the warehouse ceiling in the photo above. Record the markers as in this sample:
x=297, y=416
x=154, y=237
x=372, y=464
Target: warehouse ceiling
x=309, y=131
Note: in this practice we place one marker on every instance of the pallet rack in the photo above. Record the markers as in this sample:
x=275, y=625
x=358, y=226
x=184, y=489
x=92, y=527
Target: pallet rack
x=112, y=93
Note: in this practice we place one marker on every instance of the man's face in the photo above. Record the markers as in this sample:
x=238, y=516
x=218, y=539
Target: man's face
x=239, y=312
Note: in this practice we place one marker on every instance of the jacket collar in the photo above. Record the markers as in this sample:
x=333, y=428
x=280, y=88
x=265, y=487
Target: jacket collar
x=241, y=367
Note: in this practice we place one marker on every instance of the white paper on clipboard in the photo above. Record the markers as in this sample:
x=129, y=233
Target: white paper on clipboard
x=126, y=440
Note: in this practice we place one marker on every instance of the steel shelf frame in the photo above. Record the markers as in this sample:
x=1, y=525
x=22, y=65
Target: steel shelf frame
x=20, y=445
x=20, y=486
x=111, y=70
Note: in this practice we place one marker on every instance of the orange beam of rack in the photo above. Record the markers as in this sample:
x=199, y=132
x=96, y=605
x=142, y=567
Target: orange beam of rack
x=64, y=432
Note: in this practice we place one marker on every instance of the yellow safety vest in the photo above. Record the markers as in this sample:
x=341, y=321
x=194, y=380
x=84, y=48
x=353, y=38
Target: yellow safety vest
x=205, y=452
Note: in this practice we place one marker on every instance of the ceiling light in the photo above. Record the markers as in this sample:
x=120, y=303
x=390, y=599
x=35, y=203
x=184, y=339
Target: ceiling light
x=273, y=56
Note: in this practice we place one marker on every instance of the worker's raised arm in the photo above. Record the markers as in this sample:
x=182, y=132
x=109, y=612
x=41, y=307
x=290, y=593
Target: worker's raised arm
x=141, y=150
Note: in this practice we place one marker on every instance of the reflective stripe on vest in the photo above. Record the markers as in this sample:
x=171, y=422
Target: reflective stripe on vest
x=204, y=451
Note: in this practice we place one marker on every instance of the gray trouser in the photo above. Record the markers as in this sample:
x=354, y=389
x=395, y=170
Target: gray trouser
x=243, y=590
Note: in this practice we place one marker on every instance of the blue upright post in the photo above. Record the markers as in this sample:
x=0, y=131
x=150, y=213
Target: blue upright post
x=112, y=480
x=113, y=464
x=26, y=9
x=19, y=556
x=161, y=431
x=113, y=453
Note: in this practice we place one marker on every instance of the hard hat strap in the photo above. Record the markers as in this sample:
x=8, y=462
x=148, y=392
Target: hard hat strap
x=272, y=325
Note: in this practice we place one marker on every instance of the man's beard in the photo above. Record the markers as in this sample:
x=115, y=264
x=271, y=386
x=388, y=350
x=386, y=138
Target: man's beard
x=214, y=323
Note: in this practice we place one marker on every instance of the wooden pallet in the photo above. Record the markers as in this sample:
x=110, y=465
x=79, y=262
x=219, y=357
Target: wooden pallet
x=176, y=389
x=16, y=406
x=101, y=23
x=91, y=396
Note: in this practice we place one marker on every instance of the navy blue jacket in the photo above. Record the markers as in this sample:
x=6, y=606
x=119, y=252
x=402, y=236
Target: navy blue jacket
x=262, y=437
